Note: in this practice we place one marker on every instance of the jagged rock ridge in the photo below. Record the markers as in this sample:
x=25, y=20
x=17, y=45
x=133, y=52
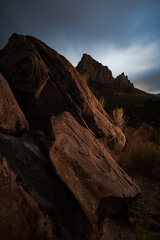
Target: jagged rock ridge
x=103, y=84
x=64, y=174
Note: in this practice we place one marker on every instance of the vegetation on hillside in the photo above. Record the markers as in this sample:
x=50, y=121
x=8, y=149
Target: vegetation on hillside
x=137, y=114
x=141, y=159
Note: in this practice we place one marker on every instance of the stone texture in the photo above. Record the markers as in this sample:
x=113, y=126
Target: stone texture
x=12, y=119
x=69, y=195
x=46, y=84
x=20, y=215
x=34, y=202
x=84, y=164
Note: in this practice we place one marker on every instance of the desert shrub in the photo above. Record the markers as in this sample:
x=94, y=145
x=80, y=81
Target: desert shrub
x=149, y=133
x=102, y=101
x=143, y=213
x=118, y=117
x=143, y=160
x=136, y=114
x=146, y=159
x=142, y=152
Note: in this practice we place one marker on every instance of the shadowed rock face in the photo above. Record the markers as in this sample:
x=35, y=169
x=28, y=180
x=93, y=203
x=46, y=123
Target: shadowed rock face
x=46, y=84
x=21, y=216
x=82, y=162
x=114, y=90
x=68, y=194
x=51, y=210
x=94, y=71
x=12, y=119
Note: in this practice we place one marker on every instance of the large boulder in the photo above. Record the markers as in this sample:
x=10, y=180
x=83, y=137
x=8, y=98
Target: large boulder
x=84, y=164
x=46, y=84
x=12, y=119
x=34, y=202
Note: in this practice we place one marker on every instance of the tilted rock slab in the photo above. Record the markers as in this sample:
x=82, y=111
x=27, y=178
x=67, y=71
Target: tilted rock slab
x=89, y=171
x=12, y=119
x=46, y=84
x=34, y=202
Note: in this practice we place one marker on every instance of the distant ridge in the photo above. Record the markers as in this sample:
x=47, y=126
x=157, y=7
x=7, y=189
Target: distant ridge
x=157, y=95
x=103, y=84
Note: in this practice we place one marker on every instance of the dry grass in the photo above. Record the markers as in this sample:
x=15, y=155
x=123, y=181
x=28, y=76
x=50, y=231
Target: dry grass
x=142, y=152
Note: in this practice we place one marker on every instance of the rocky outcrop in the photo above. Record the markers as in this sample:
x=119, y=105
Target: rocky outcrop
x=46, y=84
x=69, y=193
x=36, y=195
x=101, y=82
x=89, y=171
x=12, y=119
x=122, y=80
x=20, y=215
x=92, y=70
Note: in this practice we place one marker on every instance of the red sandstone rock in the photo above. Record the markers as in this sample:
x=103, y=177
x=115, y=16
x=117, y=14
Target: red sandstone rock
x=46, y=84
x=20, y=215
x=83, y=185
x=12, y=119
x=84, y=164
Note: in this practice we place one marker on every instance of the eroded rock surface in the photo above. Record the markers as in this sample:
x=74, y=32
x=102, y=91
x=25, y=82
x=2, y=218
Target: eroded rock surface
x=69, y=195
x=51, y=207
x=89, y=171
x=46, y=84
x=20, y=215
x=12, y=119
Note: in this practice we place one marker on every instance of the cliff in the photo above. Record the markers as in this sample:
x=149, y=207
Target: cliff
x=101, y=82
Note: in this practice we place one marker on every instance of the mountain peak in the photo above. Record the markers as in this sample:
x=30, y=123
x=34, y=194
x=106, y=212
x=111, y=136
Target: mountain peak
x=103, y=84
x=122, y=79
x=94, y=70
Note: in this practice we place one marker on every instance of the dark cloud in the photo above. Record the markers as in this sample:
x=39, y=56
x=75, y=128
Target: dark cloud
x=150, y=81
x=73, y=24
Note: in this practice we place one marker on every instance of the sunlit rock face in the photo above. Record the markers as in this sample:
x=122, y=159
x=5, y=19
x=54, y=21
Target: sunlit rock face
x=101, y=82
x=58, y=177
x=88, y=169
x=46, y=84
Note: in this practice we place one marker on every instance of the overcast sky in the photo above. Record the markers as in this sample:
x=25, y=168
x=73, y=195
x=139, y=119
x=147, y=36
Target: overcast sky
x=122, y=34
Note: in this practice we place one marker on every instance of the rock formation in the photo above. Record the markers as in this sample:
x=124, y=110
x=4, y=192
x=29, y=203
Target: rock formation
x=58, y=178
x=88, y=169
x=46, y=84
x=12, y=120
x=101, y=82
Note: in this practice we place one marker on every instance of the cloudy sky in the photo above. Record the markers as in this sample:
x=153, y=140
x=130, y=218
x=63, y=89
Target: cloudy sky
x=122, y=34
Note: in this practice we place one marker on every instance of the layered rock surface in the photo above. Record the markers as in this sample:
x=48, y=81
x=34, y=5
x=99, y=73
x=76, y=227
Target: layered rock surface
x=114, y=90
x=46, y=84
x=87, y=168
x=68, y=195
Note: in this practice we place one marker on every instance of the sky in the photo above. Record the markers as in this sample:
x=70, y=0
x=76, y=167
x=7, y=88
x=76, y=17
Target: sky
x=121, y=34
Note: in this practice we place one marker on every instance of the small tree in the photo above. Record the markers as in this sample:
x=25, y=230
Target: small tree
x=118, y=117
